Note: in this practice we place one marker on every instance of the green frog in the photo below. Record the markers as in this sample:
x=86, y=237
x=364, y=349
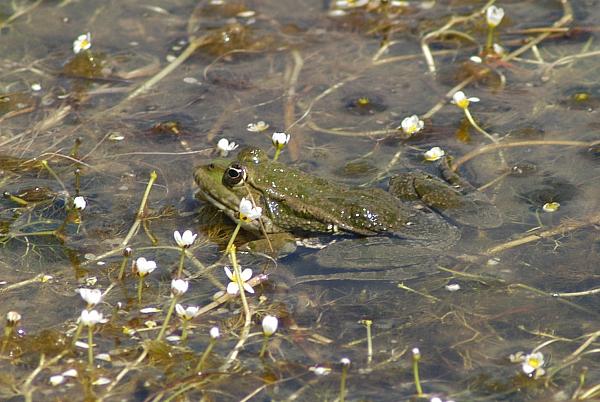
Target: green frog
x=401, y=226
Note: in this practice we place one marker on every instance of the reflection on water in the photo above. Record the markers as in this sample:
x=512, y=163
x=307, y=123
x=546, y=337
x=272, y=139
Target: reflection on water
x=162, y=83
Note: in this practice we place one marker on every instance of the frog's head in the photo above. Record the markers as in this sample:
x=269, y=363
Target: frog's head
x=208, y=178
x=220, y=183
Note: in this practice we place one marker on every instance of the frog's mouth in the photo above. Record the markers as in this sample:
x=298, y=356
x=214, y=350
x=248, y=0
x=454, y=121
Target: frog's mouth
x=233, y=214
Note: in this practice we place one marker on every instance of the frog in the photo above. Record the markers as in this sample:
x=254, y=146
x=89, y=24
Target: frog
x=405, y=226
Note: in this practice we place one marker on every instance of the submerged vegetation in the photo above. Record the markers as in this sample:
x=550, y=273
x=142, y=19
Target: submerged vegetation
x=107, y=106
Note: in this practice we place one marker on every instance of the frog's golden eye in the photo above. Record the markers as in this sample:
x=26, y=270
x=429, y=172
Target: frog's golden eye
x=234, y=175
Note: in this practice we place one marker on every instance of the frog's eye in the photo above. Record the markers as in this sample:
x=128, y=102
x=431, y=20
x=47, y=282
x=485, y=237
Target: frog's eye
x=234, y=175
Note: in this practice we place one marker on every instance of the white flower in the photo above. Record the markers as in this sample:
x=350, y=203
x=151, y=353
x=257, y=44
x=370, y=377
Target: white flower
x=476, y=59
x=187, y=313
x=345, y=361
x=498, y=49
x=90, y=296
x=79, y=203
x=351, y=3
x=320, y=370
x=179, y=287
x=35, y=87
x=551, y=206
x=91, y=318
x=249, y=212
x=532, y=364
x=280, y=139
x=434, y=154
x=232, y=287
x=13, y=317
x=70, y=373
x=257, y=127
x=269, y=325
x=224, y=146
x=412, y=125
x=56, y=380
x=452, y=287
x=83, y=42
x=185, y=240
x=215, y=333
x=416, y=353
x=460, y=99
x=102, y=381
x=150, y=310
x=144, y=267
x=494, y=16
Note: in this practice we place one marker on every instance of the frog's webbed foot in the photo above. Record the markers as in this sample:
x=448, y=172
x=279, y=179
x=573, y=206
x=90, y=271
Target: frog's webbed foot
x=452, y=197
x=279, y=245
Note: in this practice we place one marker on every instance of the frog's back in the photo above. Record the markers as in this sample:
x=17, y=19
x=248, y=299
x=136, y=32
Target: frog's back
x=299, y=201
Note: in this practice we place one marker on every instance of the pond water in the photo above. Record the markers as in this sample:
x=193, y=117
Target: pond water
x=507, y=313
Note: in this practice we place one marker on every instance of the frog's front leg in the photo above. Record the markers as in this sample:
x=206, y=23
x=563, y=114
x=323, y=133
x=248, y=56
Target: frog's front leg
x=278, y=245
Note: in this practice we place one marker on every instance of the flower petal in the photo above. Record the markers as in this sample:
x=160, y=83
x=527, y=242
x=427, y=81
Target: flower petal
x=228, y=273
x=246, y=274
x=232, y=288
x=248, y=288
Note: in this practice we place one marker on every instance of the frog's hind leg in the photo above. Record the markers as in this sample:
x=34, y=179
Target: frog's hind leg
x=455, y=198
x=426, y=229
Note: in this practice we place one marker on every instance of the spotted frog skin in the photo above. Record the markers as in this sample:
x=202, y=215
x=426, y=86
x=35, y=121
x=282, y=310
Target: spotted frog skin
x=415, y=209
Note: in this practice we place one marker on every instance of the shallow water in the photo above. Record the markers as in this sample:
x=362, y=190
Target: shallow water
x=306, y=69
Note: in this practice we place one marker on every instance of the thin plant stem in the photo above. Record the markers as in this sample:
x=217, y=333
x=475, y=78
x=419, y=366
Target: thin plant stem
x=91, y=346
x=172, y=66
x=492, y=147
x=181, y=259
x=239, y=281
x=486, y=134
x=263, y=349
x=167, y=319
x=368, y=324
x=15, y=199
x=139, y=290
x=54, y=175
x=277, y=152
x=477, y=127
x=207, y=351
x=122, y=268
x=248, y=317
x=77, y=332
x=416, y=358
x=343, y=383
x=233, y=236
x=7, y=333
x=138, y=219
x=489, y=45
x=184, y=330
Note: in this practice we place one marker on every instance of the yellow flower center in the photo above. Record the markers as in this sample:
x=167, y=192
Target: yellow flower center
x=534, y=362
x=363, y=101
x=463, y=103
